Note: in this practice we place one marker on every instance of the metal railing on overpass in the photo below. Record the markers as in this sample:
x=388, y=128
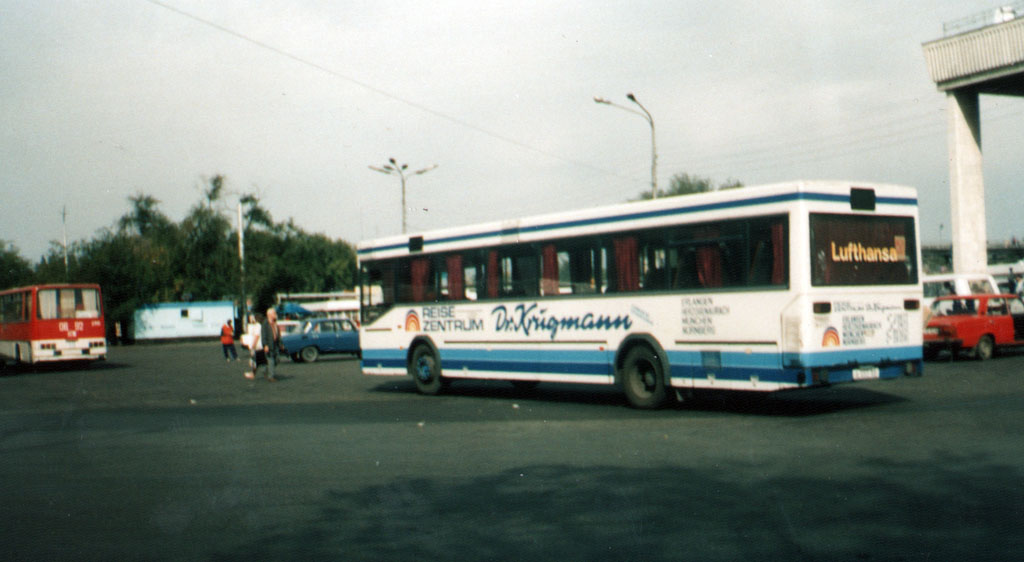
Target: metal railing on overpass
x=1002, y=14
x=939, y=257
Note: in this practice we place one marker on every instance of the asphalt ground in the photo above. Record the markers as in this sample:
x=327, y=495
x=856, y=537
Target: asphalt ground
x=165, y=452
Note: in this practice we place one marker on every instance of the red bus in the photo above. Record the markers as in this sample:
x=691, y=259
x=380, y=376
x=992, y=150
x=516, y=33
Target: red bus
x=50, y=323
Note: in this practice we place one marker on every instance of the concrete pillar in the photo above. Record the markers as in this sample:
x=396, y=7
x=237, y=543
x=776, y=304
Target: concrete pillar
x=966, y=183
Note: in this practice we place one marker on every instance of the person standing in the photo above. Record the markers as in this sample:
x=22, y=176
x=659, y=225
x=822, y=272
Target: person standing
x=227, y=341
x=251, y=340
x=270, y=339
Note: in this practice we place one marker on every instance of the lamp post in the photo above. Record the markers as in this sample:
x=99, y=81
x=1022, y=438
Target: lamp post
x=650, y=120
x=396, y=169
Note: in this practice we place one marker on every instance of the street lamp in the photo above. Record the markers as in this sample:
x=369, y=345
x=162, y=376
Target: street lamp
x=394, y=168
x=650, y=120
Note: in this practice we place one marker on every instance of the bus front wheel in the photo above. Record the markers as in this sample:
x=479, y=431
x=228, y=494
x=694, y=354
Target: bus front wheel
x=425, y=369
x=643, y=379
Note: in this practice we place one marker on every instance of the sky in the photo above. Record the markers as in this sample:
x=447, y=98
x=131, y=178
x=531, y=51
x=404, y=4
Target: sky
x=295, y=100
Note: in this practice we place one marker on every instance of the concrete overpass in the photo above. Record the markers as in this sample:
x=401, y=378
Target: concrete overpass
x=979, y=54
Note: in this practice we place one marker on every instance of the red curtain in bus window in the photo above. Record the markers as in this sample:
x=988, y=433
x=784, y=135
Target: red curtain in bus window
x=778, y=254
x=420, y=270
x=492, y=274
x=456, y=290
x=627, y=267
x=709, y=265
x=549, y=274
x=709, y=258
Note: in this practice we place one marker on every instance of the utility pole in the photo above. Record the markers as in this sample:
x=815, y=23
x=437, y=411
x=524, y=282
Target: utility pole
x=241, y=269
x=64, y=228
x=393, y=168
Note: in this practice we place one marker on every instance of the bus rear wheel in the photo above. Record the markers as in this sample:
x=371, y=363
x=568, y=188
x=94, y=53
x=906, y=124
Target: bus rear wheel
x=643, y=379
x=425, y=368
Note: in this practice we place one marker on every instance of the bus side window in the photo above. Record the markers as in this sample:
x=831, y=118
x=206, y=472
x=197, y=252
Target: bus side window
x=522, y=275
x=581, y=270
x=471, y=278
x=583, y=267
x=768, y=262
x=378, y=290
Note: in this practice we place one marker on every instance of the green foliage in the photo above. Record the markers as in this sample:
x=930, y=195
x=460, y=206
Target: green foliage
x=147, y=258
x=206, y=256
x=14, y=269
x=145, y=219
x=685, y=184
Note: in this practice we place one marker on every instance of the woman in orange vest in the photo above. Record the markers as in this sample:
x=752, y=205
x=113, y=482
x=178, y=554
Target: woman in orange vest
x=227, y=341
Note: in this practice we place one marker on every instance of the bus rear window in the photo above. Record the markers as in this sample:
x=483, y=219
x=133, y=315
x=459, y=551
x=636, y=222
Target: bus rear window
x=862, y=250
x=68, y=303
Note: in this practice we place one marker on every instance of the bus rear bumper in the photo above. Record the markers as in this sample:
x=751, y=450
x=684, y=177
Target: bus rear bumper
x=66, y=350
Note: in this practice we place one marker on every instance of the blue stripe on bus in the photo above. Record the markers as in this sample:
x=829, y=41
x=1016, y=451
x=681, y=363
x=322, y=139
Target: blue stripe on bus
x=781, y=198
x=839, y=357
x=574, y=362
x=560, y=361
x=695, y=365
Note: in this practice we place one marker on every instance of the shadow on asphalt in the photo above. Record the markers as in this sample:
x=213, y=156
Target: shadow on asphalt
x=796, y=403
x=61, y=367
x=494, y=404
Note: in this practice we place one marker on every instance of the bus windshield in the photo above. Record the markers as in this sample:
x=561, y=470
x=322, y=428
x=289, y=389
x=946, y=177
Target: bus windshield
x=68, y=303
x=862, y=250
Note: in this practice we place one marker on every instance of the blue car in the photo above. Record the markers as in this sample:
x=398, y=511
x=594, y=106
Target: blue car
x=322, y=335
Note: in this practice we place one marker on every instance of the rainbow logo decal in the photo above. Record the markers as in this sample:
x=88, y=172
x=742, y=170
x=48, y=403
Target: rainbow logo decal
x=831, y=338
x=412, y=321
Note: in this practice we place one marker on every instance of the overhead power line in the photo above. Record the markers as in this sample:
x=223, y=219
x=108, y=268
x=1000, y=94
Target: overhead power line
x=755, y=152
x=769, y=151
x=375, y=89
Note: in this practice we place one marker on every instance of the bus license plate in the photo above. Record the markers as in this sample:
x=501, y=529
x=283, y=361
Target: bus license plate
x=865, y=373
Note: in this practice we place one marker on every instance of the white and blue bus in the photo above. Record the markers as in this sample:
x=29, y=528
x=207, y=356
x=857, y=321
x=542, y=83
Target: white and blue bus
x=764, y=288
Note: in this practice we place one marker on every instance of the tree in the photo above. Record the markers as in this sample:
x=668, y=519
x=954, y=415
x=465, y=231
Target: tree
x=253, y=213
x=14, y=269
x=146, y=258
x=207, y=263
x=685, y=184
x=292, y=260
x=51, y=268
x=144, y=218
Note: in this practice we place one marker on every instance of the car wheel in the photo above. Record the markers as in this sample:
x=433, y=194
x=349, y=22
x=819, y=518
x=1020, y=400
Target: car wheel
x=309, y=354
x=984, y=349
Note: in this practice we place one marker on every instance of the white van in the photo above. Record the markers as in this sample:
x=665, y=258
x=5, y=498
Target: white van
x=957, y=284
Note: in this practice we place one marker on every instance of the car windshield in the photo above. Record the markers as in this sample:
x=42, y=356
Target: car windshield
x=953, y=307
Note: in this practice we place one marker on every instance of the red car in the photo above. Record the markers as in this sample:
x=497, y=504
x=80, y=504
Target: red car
x=975, y=324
